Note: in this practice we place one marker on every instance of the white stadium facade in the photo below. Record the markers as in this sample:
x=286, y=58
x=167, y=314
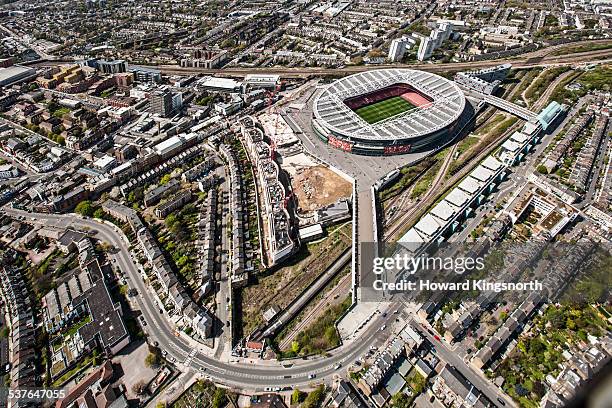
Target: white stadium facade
x=436, y=104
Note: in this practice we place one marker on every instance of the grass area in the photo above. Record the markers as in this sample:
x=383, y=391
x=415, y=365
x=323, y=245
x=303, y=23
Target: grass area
x=321, y=335
x=582, y=48
x=426, y=180
x=77, y=325
x=382, y=110
x=61, y=112
x=539, y=352
x=598, y=78
x=424, y=183
x=408, y=176
x=310, y=307
x=488, y=137
x=594, y=282
x=92, y=359
x=43, y=275
x=203, y=393
x=562, y=95
x=466, y=144
x=418, y=27
x=539, y=86
x=526, y=80
x=492, y=123
x=280, y=286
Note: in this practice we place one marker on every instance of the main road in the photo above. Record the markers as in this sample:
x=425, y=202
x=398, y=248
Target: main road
x=237, y=375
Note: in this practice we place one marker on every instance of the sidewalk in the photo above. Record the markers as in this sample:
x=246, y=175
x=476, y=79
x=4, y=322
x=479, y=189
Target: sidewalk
x=174, y=389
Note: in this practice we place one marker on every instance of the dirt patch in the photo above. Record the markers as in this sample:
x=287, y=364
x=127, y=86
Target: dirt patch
x=318, y=186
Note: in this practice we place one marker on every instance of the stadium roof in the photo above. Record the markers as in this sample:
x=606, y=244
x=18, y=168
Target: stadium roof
x=448, y=104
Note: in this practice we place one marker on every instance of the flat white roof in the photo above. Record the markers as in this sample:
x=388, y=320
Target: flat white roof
x=469, y=185
x=457, y=197
x=310, y=231
x=411, y=236
x=104, y=161
x=481, y=173
x=226, y=83
x=262, y=78
x=122, y=167
x=167, y=144
x=511, y=146
x=411, y=240
x=519, y=137
x=530, y=127
x=492, y=163
x=428, y=225
x=444, y=211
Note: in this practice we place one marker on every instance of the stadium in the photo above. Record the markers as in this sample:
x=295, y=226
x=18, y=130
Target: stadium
x=388, y=111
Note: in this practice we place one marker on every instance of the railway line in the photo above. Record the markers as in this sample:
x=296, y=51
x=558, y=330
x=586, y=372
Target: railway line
x=397, y=224
x=524, y=62
x=334, y=296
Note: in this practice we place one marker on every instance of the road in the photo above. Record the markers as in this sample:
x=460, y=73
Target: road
x=240, y=376
x=223, y=312
x=453, y=359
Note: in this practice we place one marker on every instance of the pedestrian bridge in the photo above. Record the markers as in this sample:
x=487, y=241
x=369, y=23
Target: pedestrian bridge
x=510, y=107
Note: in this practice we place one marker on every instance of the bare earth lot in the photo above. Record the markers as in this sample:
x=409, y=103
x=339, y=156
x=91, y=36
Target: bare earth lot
x=318, y=186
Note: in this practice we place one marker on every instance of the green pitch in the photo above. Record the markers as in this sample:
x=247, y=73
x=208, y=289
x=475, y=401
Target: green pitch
x=384, y=109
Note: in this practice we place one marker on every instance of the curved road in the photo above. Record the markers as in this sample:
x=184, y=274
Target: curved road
x=238, y=375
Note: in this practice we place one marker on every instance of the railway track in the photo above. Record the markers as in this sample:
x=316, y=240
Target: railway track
x=331, y=298
x=399, y=201
x=524, y=62
x=398, y=225
x=419, y=207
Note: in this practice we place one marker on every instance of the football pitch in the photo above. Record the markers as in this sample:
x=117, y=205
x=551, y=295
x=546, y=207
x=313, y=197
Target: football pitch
x=384, y=109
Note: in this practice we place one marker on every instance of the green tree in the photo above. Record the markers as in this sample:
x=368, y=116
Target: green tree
x=139, y=388
x=542, y=169
x=4, y=333
x=315, y=398
x=297, y=396
x=52, y=106
x=219, y=398
x=165, y=179
x=99, y=213
x=418, y=383
x=84, y=208
x=152, y=360
x=400, y=400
